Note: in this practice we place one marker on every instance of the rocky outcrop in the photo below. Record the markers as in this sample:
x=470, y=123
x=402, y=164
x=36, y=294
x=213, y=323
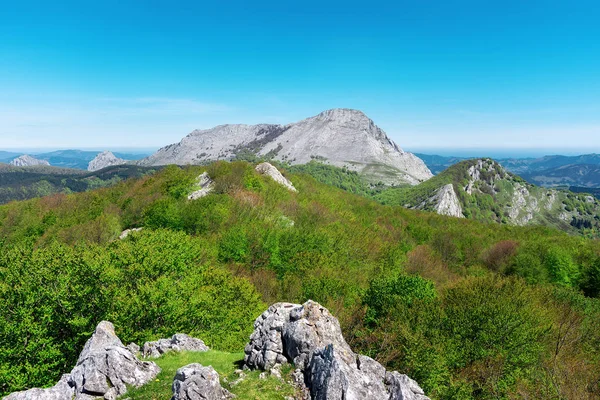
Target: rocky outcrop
x=127, y=232
x=205, y=184
x=401, y=387
x=340, y=137
x=310, y=337
x=27, y=161
x=448, y=202
x=63, y=390
x=179, y=342
x=444, y=201
x=103, y=160
x=195, y=382
x=104, y=369
x=272, y=172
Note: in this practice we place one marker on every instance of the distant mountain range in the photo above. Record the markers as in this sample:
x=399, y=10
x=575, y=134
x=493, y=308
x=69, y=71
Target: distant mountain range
x=550, y=171
x=78, y=159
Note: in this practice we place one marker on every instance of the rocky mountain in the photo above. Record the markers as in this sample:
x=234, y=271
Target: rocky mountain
x=482, y=189
x=27, y=161
x=339, y=137
x=103, y=160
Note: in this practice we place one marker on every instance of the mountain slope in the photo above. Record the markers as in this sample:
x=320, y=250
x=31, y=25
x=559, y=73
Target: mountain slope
x=21, y=183
x=352, y=255
x=339, y=137
x=485, y=191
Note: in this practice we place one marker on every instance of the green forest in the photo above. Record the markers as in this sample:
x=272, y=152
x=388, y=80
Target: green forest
x=470, y=310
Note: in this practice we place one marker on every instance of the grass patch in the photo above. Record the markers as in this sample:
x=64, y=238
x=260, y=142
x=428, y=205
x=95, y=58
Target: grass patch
x=250, y=388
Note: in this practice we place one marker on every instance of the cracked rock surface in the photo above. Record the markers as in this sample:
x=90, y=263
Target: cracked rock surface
x=178, y=342
x=310, y=337
x=103, y=370
x=196, y=382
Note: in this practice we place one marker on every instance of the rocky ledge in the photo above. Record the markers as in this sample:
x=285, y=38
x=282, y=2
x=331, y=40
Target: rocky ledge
x=310, y=337
x=104, y=369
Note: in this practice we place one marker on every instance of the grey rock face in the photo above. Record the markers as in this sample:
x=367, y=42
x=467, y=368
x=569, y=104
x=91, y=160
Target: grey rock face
x=444, y=202
x=265, y=349
x=339, y=137
x=206, y=186
x=105, y=366
x=103, y=160
x=401, y=387
x=329, y=376
x=269, y=170
x=195, y=382
x=178, y=342
x=63, y=390
x=27, y=161
x=103, y=369
x=310, y=337
x=310, y=327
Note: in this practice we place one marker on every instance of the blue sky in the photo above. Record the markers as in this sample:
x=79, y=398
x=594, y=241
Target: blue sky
x=432, y=74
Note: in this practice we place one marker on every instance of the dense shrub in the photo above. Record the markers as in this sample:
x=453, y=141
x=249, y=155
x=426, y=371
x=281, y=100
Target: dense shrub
x=151, y=285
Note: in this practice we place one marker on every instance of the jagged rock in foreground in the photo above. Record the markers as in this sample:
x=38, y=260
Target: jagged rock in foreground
x=195, y=382
x=178, y=342
x=311, y=338
x=269, y=170
x=103, y=160
x=104, y=369
x=339, y=137
x=206, y=186
x=27, y=161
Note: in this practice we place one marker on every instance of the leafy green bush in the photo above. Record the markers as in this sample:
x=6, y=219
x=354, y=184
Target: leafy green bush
x=151, y=285
x=385, y=292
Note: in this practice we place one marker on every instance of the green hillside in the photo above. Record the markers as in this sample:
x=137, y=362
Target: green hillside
x=22, y=183
x=489, y=193
x=470, y=310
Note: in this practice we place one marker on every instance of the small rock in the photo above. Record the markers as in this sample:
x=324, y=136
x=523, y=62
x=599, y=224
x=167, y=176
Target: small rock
x=276, y=372
x=269, y=170
x=196, y=382
x=206, y=186
x=263, y=375
x=134, y=349
x=126, y=232
x=178, y=342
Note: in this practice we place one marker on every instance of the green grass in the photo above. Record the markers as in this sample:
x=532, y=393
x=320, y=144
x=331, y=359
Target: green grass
x=250, y=388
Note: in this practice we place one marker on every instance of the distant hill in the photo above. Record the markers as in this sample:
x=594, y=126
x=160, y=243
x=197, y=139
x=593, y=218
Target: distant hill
x=21, y=183
x=7, y=156
x=483, y=190
x=78, y=159
x=549, y=171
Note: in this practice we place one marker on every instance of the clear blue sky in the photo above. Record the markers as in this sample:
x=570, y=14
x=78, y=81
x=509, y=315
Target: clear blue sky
x=432, y=74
